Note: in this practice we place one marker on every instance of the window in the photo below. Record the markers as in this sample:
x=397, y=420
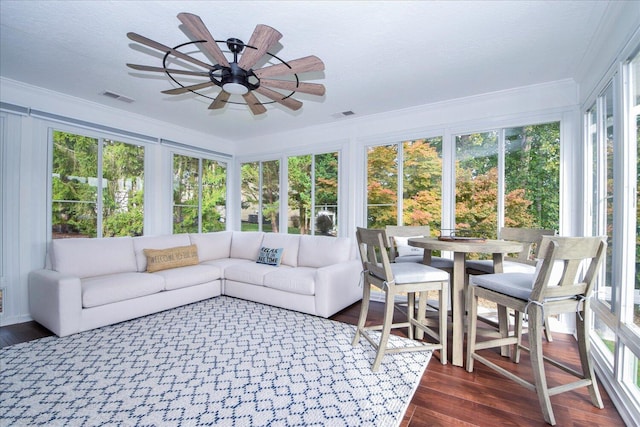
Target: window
x=414, y=170
x=97, y=187
x=613, y=172
x=260, y=196
x=199, y=194
x=508, y=177
x=313, y=187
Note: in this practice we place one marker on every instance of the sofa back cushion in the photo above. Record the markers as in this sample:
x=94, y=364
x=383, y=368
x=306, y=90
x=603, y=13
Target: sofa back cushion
x=212, y=246
x=321, y=251
x=156, y=242
x=93, y=257
x=290, y=244
x=246, y=244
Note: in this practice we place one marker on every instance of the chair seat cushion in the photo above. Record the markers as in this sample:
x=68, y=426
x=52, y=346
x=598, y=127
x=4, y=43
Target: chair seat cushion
x=486, y=266
x=436, y=261
x=411, y=272
x=517, y=285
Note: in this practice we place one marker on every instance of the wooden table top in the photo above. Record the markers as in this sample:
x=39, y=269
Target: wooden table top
x=486, y=246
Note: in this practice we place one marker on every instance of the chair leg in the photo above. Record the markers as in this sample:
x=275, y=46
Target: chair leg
x=411, y=310
x=472, y=302
x=585, y=356
x=364, y=309
x=422, y=314
x=386, y=330
x=444, y=315
x=537, y=363
x=503, y=326
x=547, y=330
x=515, y=357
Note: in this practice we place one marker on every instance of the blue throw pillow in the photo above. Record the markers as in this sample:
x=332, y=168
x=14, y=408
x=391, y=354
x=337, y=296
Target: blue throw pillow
x=270, y=256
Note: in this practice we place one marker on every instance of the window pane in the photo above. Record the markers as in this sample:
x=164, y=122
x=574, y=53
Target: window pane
x=326, y=194
x=477, y=183
x=123, y=189
x=607, y=336
x=631, y=372
x=270, y=195
x=422, y=183
x=299, y=194
x=532, y=176
x=214, y=195
x=74, y=186
x=382, y=186
x=185, y=194
x=635, y=77
x=250, y=195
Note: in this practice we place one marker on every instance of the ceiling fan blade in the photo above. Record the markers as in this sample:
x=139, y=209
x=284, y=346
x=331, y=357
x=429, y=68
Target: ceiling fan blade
x=255, y=106
x=159, y=46
x=167, y=70
x=278, y=97
x=262, y=39
x=301, y=65
x=311, y=88
x=186, y=89
x=200, y=31
x=220, y=101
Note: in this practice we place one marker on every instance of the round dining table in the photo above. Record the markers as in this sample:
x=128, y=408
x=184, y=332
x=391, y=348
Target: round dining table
x=461, y=247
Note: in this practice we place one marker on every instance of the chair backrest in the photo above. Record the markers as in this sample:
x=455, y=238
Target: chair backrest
x=393, y=231
x=580, y=259
x=530, y=239
x=373, y=245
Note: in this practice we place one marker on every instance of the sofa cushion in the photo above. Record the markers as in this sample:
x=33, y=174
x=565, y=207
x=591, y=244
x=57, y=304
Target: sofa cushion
x=251, y=273
x=156, y=242
x=101, y=290
x=183, y=277
x=223, y=263
x=93, y=257
x=299, y=280
x=213, y=245
x=290, y=243
x=164, y=259
x=246, y=244
x=321, y=251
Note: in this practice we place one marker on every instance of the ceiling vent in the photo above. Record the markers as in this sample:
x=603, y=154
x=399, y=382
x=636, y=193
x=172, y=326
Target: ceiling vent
x=343, y=114
x=117, y=96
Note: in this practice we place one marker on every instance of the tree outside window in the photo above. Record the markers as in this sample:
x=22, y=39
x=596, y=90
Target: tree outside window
x=97, y=187
x=313, y=187
x=199, y=194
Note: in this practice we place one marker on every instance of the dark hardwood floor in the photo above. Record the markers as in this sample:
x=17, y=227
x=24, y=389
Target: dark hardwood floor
x=450, y=396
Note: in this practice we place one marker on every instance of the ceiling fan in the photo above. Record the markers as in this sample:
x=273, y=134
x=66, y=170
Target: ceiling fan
x=236, y=76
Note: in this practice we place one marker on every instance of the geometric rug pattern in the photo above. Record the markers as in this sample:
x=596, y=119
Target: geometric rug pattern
x=220, y=362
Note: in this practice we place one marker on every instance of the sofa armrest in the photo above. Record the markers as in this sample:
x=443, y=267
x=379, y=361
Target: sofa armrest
x=337, y=286
x=55, y=301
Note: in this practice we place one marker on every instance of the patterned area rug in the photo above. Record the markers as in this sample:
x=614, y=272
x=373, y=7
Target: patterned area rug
x=222, y=362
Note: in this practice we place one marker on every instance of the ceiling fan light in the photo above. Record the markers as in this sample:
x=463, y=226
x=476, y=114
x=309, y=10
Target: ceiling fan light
x=235, y=88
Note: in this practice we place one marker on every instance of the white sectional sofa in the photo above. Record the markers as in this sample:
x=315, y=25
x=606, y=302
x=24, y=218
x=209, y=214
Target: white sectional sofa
x=89, y=283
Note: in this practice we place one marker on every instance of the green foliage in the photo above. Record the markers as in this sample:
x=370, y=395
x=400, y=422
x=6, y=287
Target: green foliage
x=531, y=177
x=192, y=203
x=75, y=186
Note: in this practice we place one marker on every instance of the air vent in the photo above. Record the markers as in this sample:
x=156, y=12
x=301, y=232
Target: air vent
x=117, y=96
x=343, y=114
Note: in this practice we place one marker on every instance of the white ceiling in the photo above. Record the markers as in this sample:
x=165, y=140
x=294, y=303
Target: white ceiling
x=379, y=56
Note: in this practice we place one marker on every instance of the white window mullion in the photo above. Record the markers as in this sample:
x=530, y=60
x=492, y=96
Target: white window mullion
x=400, y=189
x=312, y=214
x=99, y=183
x=200, y=171
x=501, y=179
